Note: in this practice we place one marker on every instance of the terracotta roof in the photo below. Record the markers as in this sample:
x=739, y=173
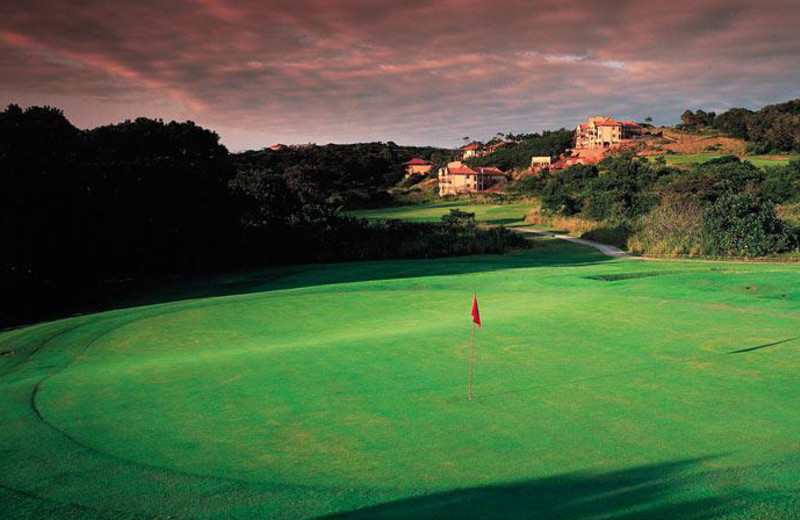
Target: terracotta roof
x=462, y=170
x=631, y=124
x=416, y=162
x=489, y=169
x=465, y=170
x=471, y=147
x=608, y=122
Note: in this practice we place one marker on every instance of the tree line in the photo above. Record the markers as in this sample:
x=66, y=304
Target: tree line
x=773, y=128
x=85, y=209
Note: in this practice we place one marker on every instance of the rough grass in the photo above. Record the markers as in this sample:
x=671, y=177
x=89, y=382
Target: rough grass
x=761, y=161
x=570, y=225
x=790, y=212
x=612, y=389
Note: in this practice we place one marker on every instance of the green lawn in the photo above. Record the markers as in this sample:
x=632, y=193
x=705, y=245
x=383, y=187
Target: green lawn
x=606, y=389
x=758, y=160
x=505, y=214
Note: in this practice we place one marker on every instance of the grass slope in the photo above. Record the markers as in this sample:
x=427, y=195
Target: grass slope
x=761, y=161
x=614, y=389
x=500, y=214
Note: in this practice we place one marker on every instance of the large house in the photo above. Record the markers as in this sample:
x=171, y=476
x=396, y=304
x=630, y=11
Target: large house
x=471, y=150
x=605, y=132
x=540, y=162
x=457, y=178
x=479, y=150
x=414, y=166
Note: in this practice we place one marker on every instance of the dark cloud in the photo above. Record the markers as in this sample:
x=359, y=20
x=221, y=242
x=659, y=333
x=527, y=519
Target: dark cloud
x=413, y=71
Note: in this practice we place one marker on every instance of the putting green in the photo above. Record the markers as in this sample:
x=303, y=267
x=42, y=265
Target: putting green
x=605, y=389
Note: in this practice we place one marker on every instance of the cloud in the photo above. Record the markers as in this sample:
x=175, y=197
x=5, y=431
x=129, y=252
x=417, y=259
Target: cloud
x=418, y=71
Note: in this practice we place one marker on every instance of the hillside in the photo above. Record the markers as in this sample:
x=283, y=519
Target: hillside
x=666, y=140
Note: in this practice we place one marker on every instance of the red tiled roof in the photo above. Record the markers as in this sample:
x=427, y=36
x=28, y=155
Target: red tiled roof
x=608, y=122
x=631, y=124
x=471, y=147
x=416, y=162
x=462, y=170
x=489, y=169
x=465, y=170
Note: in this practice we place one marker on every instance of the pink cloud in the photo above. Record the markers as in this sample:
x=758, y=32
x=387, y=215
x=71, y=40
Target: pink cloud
x=419, y=72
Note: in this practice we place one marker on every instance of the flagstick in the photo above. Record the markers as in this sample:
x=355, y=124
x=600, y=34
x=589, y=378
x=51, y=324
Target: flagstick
x=471, y=352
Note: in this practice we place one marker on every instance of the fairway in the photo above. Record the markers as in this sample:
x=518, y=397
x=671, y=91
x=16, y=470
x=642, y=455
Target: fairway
x=511, y=214
x=606, y=389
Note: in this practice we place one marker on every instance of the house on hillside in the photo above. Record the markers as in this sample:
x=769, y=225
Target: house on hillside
x=471, y=150
x=605, y=132
x=417, y=166
x=479, y=150
x=541, y=162
x=276, y=147
x=456, y=178
x=494, y=147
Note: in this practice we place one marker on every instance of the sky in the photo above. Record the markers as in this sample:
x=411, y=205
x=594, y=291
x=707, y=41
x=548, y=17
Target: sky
x=261, y=72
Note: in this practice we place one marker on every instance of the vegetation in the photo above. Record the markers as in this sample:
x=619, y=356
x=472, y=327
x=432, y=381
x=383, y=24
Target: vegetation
x=762, y=161
x=604, y=389
x=347, y=175
x=516, y=155
x=772, y=128
x=87, y=212
x=722, y=207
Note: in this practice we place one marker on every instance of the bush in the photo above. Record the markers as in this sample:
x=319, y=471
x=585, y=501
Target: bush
x=527, y=185
x=411, y=180
x=622, y=190
x=708, y=181
x=782, y=184
x=563, y=193
x=459, y=218
x=744, y=225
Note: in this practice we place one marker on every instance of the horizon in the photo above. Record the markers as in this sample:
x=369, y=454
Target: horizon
x=362, y=71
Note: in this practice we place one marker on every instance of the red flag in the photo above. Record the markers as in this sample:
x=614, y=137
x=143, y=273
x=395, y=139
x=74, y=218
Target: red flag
x=476, y=316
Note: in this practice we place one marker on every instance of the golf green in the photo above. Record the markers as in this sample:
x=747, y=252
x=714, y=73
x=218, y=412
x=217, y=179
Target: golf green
x=605, y=389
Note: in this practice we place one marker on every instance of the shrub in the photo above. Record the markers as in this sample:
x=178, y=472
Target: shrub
x=782, y=184
x=563, y=193
x=411, y=180
x=708, y=181
x=622, y=190
x=527, y=185
x=744, y=225
x=459, y=218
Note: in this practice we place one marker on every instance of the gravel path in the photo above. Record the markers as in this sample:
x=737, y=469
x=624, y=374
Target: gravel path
x=606, y=249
